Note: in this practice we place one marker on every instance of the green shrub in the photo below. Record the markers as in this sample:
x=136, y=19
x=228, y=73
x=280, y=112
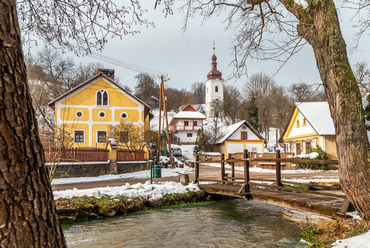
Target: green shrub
x=322, y=155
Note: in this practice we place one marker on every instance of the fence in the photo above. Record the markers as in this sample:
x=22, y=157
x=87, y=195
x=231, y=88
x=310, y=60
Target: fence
x=130, y=155
x=53, y=154
x=246, y=181
x=263, y=164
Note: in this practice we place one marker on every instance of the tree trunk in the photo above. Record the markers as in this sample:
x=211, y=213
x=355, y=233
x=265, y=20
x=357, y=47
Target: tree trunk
x=319, y=25
x=27, y=211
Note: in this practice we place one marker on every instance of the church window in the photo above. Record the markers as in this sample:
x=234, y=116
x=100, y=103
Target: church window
x=102, y=97
x=216, y=88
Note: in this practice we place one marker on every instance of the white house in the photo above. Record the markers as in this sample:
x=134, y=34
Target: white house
x=185, y=124
x=310, y=125
x=238, y=137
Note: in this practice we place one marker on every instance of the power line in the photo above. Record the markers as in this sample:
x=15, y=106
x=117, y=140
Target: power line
x=120, y=63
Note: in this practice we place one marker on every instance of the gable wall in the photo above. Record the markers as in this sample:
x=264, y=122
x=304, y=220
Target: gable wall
x=84, y=100
x=301, y=131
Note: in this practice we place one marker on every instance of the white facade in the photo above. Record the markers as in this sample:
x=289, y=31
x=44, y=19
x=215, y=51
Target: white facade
x=214, y=91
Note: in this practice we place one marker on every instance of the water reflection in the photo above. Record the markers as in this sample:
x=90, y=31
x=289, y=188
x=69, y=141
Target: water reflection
x=231, y=223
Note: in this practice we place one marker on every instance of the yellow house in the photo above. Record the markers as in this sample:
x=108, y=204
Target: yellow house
x=310, y=125
x=90, y=112
x=238, y=137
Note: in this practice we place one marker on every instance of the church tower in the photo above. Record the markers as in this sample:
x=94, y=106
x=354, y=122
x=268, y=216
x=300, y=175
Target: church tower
x=214, y=86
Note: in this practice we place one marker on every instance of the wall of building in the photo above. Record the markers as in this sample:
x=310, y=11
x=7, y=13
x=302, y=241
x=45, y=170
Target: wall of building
x=331, y=146
x=92, y=169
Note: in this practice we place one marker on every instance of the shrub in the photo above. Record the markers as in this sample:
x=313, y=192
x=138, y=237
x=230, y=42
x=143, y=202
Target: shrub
x=322, y=155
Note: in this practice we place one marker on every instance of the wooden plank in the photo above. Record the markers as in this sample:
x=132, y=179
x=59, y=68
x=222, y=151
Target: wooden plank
x=298, y=190
x=303, y=184
x=324, y=205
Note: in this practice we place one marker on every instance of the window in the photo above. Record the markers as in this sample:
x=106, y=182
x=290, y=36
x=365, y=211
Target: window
x=124, y=115
x=102, y=97
x=195, y=123
x=189, y=135
x=254, y=149
x=308, y=147
x=102, y=114
x=186, y=123
x=124, y=136
x=102, y=136
x=304, y=122
x=298, y=149
x=244, y=135
x=298, y=123
x=79, y=114
x=216, y=88
x=79, y=136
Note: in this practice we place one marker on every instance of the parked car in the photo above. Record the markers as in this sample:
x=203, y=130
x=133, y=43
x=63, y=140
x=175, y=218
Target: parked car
x=176, y=151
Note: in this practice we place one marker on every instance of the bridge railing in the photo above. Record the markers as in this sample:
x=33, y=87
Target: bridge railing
x=246, y=181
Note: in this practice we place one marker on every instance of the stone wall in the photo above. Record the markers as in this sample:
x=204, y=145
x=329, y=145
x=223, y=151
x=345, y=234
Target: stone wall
x=92, y=169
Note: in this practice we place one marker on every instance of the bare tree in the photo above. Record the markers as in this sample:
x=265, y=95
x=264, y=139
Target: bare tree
x=28, y=215
x=362, y=73
x=146, y=88
x=261, y=87
x=303, y=92
x=231, y=104
x=199, y=91
x=276, y=29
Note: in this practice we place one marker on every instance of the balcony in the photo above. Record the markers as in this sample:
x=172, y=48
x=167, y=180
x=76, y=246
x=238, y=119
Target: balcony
x=184, y=128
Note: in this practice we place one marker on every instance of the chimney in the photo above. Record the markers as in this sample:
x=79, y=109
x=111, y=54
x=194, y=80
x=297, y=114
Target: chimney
x=108, y=72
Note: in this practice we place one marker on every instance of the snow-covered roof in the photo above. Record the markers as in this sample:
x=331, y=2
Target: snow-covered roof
x=229, y=130
x=189, y=114
x=318, y=115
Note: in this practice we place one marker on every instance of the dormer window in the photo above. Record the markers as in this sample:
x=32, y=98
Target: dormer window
x=102, y=97
x=216, y=88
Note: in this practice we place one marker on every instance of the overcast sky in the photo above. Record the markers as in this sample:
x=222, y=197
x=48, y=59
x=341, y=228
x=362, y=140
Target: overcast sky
x=186, y=57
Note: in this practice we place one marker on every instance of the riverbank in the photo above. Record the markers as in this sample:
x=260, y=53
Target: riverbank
x=84, y=208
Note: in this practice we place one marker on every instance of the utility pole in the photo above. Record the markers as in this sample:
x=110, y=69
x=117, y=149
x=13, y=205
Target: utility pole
x=162, y=98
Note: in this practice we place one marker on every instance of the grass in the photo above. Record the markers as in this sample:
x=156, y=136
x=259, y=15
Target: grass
x=324, y=236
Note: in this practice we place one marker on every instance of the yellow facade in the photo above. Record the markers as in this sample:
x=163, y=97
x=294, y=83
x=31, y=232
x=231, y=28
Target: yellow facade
x=90, y=112
x=298, y=136
x=245, y=143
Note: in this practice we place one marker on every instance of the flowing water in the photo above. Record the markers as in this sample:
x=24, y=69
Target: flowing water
x=230, y=223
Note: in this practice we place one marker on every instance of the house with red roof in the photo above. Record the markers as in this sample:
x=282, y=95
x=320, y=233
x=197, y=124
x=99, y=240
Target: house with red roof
x=185, y=125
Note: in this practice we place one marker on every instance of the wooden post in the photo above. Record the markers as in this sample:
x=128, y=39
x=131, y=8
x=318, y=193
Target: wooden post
x=196, y=170
x=222, y=167
x=278, y=170
x=246, y=172
x=232, y=168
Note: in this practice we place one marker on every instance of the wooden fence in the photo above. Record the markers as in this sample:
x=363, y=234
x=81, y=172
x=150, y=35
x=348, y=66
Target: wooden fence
x=130, y=155
x=262, y=164
x=246, y=181
x=53, y=154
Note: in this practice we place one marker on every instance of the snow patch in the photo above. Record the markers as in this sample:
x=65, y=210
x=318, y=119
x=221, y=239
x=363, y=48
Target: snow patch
x=303, y=3
x=148, y=191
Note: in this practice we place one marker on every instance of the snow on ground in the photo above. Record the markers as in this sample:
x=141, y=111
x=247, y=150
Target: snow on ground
x=187, y=151
x=148, y=191
x=361, y=241
x=137, y=175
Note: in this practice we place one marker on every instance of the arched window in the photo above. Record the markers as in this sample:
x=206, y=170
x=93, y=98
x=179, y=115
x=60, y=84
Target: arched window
x=102, y=97
x=216, y=89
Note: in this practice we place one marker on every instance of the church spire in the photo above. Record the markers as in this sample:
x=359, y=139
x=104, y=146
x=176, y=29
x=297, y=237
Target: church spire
x=214, y=73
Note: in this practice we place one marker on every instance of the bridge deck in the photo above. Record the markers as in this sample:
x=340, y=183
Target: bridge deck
x=324, y=205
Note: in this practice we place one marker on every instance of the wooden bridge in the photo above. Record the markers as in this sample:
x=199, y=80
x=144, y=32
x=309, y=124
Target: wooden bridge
x=315, y=199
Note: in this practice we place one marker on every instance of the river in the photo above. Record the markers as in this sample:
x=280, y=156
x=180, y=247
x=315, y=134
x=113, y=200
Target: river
x=228, y=223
